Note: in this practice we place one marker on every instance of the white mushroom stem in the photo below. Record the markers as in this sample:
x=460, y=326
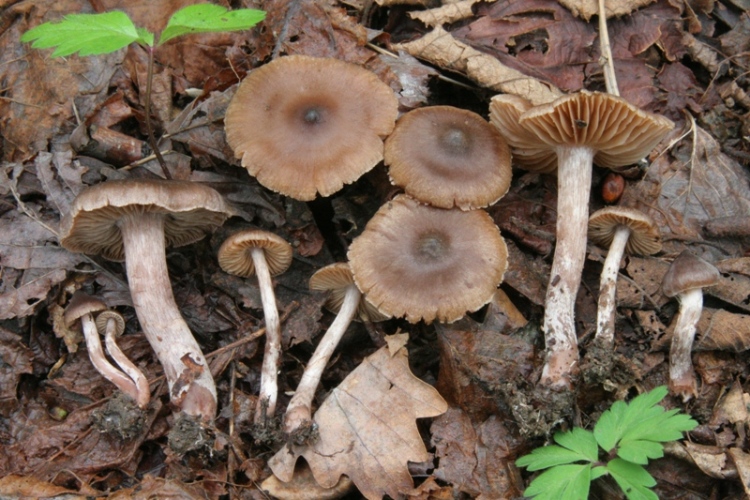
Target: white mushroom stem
x=96, y=354
x=143, y=391
x=573, y=188
x=269, y=387
x=299, y=410
x=191, y=386
x=606, y=309
x=681, y=374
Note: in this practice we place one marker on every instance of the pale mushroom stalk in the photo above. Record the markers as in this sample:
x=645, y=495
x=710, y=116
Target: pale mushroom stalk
x=143, y=391
x=191, y=385
x=269, y=387
x=681, y=373
x=606, y=308
x=573, y=188
x=299, y=410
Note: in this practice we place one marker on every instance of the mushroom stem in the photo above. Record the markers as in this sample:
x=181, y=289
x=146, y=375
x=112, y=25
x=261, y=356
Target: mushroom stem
x=191, y=386
x=142, y=389
x=681, y=374
x=299, y=410
x=269, y=388
x=573, y=188
x=96, y=354
x=605, y=316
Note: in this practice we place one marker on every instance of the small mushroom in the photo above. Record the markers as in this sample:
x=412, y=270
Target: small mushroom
x=135, y=220
x=348, y=302
x=111, y=324
x=305, y=125
x=426, y=263
x=80, y=311
x=448, y=157
x=263, y=253
x=685, y=279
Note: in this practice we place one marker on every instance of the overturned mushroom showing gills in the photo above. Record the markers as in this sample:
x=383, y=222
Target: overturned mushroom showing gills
x=581, y=129
x=111, y=324
x=305, y=126
x=135, y=220
x=81, y=309
x=259, y=252
x=346, y=300
x=448, y=157
x=685, y=279
x=426, y=263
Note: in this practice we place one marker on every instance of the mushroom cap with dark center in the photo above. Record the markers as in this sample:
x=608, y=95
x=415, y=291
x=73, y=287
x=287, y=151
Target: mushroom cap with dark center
x=620, y=133
x=644, y=239
x=80, y=305
x=234, y=254
x=448, y=157
x=688, y=272
x=427, y=263
x=305, y=125
x=190, y=210
x=335, y=279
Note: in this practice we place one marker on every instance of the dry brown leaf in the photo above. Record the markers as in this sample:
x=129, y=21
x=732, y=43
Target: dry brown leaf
x=446, y=14
x=15, y=486
x=731, y=408
x=304, y=487
x=742, y=462
x=367, y=427
x=155, y=487
x=720, y=330
x=614, y=8
x=712, y=460
x=15, y=360
x=414, y=79
x=440, y=48
x=738, y=266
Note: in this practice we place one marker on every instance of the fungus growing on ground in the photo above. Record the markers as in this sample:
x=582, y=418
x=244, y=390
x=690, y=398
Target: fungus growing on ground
x=305, y=125
x=581, y=129
x=263, y=253
x=448, y=157
x=111, y=324
x=426, y=263
x=685, y=279
x=347, y=302
x=134, y=220
x=80, y=311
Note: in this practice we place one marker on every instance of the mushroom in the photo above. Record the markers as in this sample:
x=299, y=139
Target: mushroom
x=305, y=125
x=622, y=229
x=111, y=324
x=448, y=157
x=685, y=279
x=80, y=311
x=134, y=220
x=347, y=301
x=263, y=253
x=427, y=263
x=581, y=129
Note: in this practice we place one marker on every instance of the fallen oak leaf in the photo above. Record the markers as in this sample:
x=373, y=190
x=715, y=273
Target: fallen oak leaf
x=367, y=427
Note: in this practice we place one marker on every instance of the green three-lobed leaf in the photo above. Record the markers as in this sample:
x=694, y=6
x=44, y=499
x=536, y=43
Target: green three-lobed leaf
x=209, y=18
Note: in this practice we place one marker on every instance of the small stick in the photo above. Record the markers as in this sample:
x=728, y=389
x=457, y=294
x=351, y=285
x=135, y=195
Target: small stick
x=605, y=60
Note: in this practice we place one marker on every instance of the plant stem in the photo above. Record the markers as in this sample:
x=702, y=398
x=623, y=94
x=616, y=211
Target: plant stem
x=147, y=106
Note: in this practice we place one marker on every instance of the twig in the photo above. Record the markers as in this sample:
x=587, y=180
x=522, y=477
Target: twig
x=147, y=106
x=605, y=59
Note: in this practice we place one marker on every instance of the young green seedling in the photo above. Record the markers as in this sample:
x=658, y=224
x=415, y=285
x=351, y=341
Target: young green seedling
x=94, y=34
x=624, y=439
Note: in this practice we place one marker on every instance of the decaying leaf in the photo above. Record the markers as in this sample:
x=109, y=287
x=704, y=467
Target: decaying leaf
x=367, y=427
x=742, y=462
x=721, y=330
x=15, y=360
x=446, y=13
x=614, y=8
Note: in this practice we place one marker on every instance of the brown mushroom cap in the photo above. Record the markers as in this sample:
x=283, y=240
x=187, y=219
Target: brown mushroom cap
x=304, y=125
x=335, y=279
x=688, y=272
x=448, y=157
x=105, y=316
x=428, y=263
x=644, y=239
x=620, y=133
x=234, y=254
x=189, y=209
x=80, y=305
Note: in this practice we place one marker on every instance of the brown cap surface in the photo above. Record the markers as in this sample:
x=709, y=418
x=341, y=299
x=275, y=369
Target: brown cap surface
x=505, y=110
x=688, y=272
x=644, y=239
x=234, y=254
x=620, y=133
x=335, y=279
x=105, y=316
x=448, y=157
x=427, y=263
x=81, y=304
x=304, y=125
x=190, y=210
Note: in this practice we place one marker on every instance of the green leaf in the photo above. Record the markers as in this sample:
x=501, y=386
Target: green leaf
x=580, y=441
x=633, y=479
x=575, y=445
x=209, y=18
x=145, y=37
x=87, y=34
x=564, y=482
x=640, y=452
x=598, y=472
